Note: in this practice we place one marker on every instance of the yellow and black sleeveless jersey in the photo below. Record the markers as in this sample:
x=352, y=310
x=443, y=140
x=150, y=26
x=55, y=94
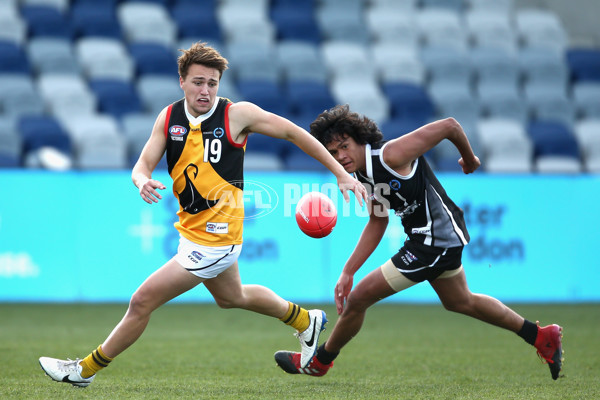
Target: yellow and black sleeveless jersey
x=207, y=168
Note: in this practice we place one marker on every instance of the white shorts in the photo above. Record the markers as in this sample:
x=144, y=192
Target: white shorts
x=205, y=261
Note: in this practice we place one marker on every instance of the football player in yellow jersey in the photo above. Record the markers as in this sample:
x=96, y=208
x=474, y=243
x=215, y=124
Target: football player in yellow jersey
x=204, y=137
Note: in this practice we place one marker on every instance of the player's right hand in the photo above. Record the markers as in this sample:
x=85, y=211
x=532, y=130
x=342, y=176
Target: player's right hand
x=148, y=191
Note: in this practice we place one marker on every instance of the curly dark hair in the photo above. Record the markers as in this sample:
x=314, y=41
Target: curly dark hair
x=339, y=121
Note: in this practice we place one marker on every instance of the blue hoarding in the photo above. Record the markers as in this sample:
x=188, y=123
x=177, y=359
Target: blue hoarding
x=87, y=236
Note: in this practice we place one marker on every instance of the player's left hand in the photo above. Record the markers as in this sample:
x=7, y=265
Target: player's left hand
x=347, y=182
x=342, y=290
x=471, y=166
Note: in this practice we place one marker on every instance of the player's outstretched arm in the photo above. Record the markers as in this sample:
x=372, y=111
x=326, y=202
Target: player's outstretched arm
x=246, y=117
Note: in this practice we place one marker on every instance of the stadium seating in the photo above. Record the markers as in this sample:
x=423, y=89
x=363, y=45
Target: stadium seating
x=146, y=22
x=10, y=143
x=300, y=61
x=52, y=55
x=66, y=95
x=506, y=146
x=295, y=21
x=157, y=91
x=18, y=96
x=116, y=97
x=95, y=19
x=555, y=147
x=104, y=58
x=400, y=62
x=13, y=58
x=586, y=132
x=584, y=64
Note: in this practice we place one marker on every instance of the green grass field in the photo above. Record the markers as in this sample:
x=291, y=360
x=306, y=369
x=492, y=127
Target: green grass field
x=202, y=352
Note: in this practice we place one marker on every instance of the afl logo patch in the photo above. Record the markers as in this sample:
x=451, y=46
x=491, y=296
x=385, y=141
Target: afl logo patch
x=218, y=132
x=177, y=130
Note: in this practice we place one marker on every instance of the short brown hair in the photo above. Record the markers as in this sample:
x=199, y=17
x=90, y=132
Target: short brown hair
x=201, y=53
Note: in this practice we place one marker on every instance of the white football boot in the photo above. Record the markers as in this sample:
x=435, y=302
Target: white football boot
x=68, y=371
x=309, y=339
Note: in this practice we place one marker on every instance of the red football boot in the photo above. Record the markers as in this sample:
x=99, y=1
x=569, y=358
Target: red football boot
x=290, y=363
x=549, y=347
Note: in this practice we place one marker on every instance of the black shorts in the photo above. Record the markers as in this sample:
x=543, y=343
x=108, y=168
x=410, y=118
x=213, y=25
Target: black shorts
x=425, y=263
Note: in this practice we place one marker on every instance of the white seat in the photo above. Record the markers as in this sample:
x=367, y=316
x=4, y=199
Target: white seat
x=398, y=63
x=551, y=164
x=300, y=60
x=396, y=26
x=66, y=95
x=506, y=145
x=245, y=20
x=587, y=132
x=13, y=28
x=441, y=27
x=98, y=142
x=541, y=65
x=495, y=6
x=495, y=64
x=52, y=55
x=146, y=22
x=342, y=22
x=137, y=129
x=256, y=61
x=344, y=59
x=158, y=91
x=502, y=101
x=541, y=28
x=586, y=95
x=366, y=99
x=105, y=58
x=547, y=102
x=18, y=96
x=491, y=29
x=447, y=64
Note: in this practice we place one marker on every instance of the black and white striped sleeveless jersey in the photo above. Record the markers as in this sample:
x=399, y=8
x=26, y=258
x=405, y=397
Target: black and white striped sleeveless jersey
x=428, y=215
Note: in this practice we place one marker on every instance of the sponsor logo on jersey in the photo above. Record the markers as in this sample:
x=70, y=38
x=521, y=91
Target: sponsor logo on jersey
x=177, y=132
x=421, y=231
x=395, y=185
x=218, y=132
x=217, y=227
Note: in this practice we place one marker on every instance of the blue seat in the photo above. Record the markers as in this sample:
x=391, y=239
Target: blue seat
x=298, y=160
x=116, y=97
x=308, y=98
x=44, y=131
x=95, y=19
x=409, y=101
x=13, y=58
x=8, y=160
x=47, y=21
x=584, y=64
x=295, y=21
x=265, y=94
x=396, y=127
x=153, y=58
x=197, y=19
x=553, y=138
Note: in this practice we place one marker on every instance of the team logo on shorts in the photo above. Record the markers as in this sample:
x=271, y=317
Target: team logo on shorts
x=196, y=256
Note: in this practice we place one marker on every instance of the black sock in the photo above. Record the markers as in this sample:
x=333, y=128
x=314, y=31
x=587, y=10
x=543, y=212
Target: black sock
x=528, y=332
x=324, y=356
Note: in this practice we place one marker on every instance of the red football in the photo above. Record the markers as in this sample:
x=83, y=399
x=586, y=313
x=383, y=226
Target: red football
x=316, y=214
